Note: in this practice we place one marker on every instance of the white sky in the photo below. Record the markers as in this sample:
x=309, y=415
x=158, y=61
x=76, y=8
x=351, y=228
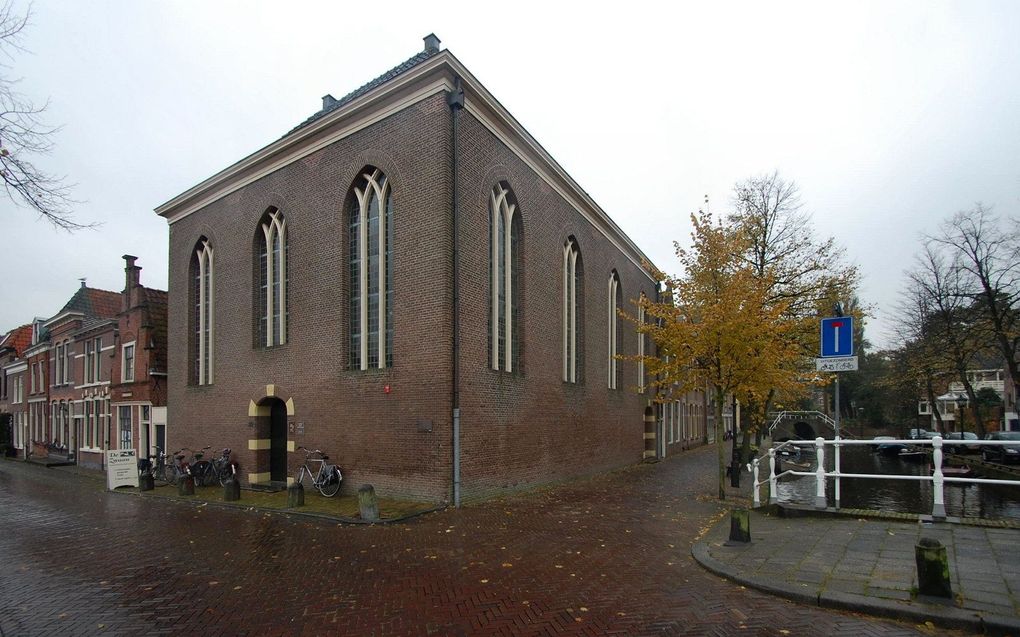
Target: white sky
x=889, y=116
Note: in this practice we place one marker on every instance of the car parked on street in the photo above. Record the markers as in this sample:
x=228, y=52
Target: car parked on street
x=1002, y=453
x=918, y=434
x=958, y=435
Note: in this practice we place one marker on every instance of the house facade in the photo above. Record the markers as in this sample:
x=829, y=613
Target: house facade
x=13, y=414
x=411, y=283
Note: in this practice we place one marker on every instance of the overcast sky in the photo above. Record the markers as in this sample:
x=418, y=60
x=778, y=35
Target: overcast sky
x=889, y=116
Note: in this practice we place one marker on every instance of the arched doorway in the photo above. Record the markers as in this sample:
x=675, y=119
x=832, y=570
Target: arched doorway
x=278, y=441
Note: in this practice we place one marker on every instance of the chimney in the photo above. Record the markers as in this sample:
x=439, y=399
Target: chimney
x=431, y=43
x=328, y=101
x=131, y=282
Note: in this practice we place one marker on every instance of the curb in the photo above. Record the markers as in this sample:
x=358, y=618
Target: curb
x=947, y=617
x=287, y=512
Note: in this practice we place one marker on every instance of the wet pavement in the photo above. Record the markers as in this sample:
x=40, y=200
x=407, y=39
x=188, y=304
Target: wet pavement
x=605, y=556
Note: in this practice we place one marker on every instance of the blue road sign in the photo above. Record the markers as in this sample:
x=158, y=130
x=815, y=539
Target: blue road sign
x=838, y=336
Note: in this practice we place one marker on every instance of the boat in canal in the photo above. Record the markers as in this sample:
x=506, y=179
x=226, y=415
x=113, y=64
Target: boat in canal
x=892, y=449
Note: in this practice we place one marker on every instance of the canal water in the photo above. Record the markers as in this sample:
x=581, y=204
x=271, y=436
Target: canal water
x=905, y=496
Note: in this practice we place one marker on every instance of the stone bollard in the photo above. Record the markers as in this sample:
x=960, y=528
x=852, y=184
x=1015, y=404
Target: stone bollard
x=368, y=504
x=146, y=482
x=740, y=526
x=296, y=495
x=231, y=490
x=932, y=569
x=186, y=486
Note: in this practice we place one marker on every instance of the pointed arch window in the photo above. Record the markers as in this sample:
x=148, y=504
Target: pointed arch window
x=202, y=315
x=641, y=345
x=573, y=312
x=371, y=272
x=271, y=298
x=614, y=297
x=504, y=278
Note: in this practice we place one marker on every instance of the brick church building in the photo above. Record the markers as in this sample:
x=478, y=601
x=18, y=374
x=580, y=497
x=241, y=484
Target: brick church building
x=410, y=282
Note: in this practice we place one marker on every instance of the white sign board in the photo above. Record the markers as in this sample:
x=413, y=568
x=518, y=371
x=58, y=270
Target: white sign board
x=836, y=364
x=121, y=468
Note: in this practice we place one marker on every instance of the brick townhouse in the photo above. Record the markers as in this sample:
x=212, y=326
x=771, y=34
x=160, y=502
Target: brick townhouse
x=13, y=412
x=410, y=282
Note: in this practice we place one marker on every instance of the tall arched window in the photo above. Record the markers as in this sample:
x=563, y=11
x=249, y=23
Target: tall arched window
x=371, y=270
x=202, y=316
x=641, y=345
x=614, y=297
x=504, y=278
x=271, y=267
x=573, y=312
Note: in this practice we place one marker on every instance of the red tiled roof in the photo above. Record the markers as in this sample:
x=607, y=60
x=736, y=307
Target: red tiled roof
x=19, y=339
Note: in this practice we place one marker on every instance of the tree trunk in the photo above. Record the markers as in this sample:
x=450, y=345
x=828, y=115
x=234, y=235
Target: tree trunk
x=931, y=403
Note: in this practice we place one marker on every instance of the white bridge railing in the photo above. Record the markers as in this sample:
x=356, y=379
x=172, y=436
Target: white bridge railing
x=938, y=479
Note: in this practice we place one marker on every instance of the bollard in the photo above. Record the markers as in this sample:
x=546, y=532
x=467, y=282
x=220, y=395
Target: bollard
x=368, y=504
x=740, y=526
x=932, y=569
x=186, y=486
x=145, y=482
x=231, y=490
x=296, y=495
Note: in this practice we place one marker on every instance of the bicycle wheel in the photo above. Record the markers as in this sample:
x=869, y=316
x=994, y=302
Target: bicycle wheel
x=159, y=474
x=330, y=483
x=170, y=474
x=223, y=473
x=203, y=473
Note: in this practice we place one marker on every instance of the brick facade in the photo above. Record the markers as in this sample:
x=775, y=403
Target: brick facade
x=392, y=427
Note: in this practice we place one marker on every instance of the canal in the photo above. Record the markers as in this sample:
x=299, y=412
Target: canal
x=905, y=496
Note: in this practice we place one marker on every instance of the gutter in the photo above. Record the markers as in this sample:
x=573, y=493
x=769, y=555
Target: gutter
x=455, y=99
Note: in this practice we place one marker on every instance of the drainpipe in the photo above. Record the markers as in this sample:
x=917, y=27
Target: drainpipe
x=455, y=100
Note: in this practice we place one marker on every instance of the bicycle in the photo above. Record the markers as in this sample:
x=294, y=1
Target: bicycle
x=223, y=467
x=327, y=479
x=154, y=465
x=178, y=469
x=203, y=470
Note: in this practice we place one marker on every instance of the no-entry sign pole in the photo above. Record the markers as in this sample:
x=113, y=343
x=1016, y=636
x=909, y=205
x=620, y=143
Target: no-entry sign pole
x=837, y=355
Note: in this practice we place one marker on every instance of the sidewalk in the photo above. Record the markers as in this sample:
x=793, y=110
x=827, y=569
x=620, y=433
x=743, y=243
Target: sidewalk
x=867, y=565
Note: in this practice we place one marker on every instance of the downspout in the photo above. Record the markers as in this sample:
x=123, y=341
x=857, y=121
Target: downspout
x=455, y=100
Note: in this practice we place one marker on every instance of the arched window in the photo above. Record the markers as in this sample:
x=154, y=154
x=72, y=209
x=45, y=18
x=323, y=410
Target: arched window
x=504, y=278
x=614, y=298
x=271, y=284
x=573, y=312
x=202, y=315
x=371, y=271
x=641, y=346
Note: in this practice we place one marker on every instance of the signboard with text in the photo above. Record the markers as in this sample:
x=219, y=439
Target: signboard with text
x=121, y=468
x=836, y=364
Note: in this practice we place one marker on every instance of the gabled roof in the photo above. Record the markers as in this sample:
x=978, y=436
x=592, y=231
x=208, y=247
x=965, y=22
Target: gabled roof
x=93, y=303
x=408, y=64
x=157, y=302
x=17, y=339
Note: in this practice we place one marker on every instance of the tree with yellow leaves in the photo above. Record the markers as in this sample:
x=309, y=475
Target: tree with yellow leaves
x=717, y=327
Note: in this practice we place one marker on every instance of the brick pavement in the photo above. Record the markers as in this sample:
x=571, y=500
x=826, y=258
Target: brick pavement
x=604, y=556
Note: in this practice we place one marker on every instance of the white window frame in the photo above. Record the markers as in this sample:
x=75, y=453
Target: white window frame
x=206, y=324
x=641, y=347
x=274, y=228
x=377, y=185
x=501, y=211
x=571, y=308
x=613, y=286
x=126, y=375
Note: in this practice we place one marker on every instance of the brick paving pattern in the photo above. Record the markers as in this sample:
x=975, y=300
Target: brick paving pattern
x=605, y=556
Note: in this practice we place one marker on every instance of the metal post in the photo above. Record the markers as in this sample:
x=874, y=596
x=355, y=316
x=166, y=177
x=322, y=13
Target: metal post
x=820, y=473
x=757, y=492
x=836, y=436
x=938, y=510
x=773, y=492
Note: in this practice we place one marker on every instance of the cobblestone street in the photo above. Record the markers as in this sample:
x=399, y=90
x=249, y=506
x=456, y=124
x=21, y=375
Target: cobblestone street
x=604, y=556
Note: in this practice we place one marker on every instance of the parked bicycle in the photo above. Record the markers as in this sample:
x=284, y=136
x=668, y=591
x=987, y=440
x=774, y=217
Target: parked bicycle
x=154, y=465
x=223, y=467
x=326, y=479
x=203, y=471
x=179, y=468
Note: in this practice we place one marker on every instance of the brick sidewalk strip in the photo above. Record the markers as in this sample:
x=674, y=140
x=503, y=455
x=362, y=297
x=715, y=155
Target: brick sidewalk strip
x=868, y=565
x=610, y=555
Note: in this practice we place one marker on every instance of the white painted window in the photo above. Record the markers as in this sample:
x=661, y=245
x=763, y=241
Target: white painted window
x=504, y=280
x=641, y=347
x=614, y=295
x=272, y=293
x=573, y=312
x=68, y=363
x=58, y=365
x=127, y=368
x=202, y=318
x=371, y=272
x=124, y=418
